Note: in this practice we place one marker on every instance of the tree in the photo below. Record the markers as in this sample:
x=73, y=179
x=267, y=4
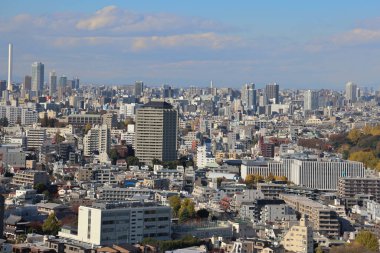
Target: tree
x=87, y=128
x=367, y=157
x=132, y=160
x=51, y=225
x=4, y=122
x=318, y=250
x=187, y=210
x=270, y=177
x=40, y=188
x=114, y=155
x=175, y=204
x=203, y=213
x=367, y=240
x=354, y=135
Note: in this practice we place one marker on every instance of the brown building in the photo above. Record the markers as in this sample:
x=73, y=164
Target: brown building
x=350, y=187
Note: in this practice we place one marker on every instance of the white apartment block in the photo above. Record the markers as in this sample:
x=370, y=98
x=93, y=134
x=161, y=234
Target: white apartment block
x=35, y=137
x=97, y=139
x=122, y=222
x=204, y=157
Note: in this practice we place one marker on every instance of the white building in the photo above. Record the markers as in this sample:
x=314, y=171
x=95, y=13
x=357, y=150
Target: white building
x=204, y=156
x=118, y=223
x=35, y=137
x=351, y=89
x=312, y=173
x=97, y=139
x=311, y=100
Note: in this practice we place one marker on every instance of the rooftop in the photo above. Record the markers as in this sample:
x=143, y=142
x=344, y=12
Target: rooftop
x=158, y=104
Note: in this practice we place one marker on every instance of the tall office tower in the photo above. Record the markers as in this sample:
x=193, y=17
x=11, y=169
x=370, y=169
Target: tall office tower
x=311, y=100
x=38, y=74
x=52, y=83
x=62, y=87
x=76, y=83
x=27, y=85
x=10, y=66
x=272, y=92
x=3, y=87
x=351, y=92
x=139, y=88
x=97, y=139
x=156, y=132
x=248, y=97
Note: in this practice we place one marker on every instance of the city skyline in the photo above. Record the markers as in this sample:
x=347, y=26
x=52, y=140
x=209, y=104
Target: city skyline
x=298, y=45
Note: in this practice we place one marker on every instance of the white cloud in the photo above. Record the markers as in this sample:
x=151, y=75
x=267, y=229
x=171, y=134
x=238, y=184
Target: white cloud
x=209, y=40
x=102, y=18
x=357, y=36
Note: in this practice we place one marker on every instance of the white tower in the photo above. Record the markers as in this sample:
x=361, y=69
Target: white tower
x=10, y=62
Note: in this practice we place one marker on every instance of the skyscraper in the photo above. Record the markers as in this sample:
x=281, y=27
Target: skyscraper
x=272, y=92
x=311, y=100
x=62, y=87
x=27, y=85
x=351, y=89
x=10, y=66
x=139, y=88
x=156, y=132
x=38, y=74
x=248, y=97
x=52, y=83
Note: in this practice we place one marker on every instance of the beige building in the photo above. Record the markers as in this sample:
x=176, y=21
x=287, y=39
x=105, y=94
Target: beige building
x=323, y=218
x=109, y=119
x=30, y=178
x=156, y=132
x=299, y=238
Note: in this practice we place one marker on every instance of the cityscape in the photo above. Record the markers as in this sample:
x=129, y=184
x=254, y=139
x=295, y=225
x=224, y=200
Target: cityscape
x=145, y=128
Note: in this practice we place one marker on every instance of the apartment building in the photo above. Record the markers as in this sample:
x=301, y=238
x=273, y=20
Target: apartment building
x=120, y=194
x=30, y=178
x=35, y=137
x=323, y=218
x=97, y=139
x=349, y=187
x=299, y=238
x=156, y=132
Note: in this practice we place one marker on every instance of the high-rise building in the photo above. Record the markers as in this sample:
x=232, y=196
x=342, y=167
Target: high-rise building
x=62, y=87
x=156, y=132
x=311, y=100
x=3, y=87
x=27, y=85
x=139, y=88
x=248, y=97
x=272, y=92
x=97, y=139
x=351, y=90
x=76, y=83
x=10, y=67
x=52, y=83
x=38, y=70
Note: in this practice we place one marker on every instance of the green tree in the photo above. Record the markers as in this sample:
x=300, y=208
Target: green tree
x=175, y=204
x=132, y=160
x=114, y=155
x=87, y=128
x=203, y=213
x=4, y=122
x=318, y=250
x=51, y=225
x=367, y=240
x=40, y=188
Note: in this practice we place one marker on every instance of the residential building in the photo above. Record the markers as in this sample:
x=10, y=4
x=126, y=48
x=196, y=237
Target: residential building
x=38, y=69
x=156, y=132
x=311, y=100
x=30, y=178
x=97, y=139
x=299, y=238
x=349, y=187
x=81, y=120
x=35, y=137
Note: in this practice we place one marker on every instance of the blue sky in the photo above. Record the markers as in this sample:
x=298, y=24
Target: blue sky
x=307, y=44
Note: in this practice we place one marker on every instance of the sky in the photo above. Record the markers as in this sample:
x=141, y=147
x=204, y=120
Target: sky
x=297, y=44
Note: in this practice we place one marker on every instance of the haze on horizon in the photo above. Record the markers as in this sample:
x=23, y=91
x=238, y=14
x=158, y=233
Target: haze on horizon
x=298, y=44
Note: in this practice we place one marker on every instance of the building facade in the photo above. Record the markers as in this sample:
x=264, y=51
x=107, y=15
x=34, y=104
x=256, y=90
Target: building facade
x=156, y=132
